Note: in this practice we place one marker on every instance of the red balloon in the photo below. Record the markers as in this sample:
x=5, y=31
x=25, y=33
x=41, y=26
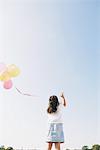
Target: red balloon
x=8, y=84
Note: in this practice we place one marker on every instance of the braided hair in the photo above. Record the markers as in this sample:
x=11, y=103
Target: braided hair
x=53, y=104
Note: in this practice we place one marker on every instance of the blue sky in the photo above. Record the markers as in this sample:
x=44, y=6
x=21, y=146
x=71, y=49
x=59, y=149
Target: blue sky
x=55, y=44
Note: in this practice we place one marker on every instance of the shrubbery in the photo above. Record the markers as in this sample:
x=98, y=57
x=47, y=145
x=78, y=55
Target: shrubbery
x=4, y=148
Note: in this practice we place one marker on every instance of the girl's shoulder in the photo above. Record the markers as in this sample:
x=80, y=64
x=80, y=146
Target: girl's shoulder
x=60, y=107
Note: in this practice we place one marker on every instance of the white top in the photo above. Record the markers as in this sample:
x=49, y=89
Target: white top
x=57, y=116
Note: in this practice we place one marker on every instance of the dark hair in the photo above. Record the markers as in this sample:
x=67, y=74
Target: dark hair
x=53, y=104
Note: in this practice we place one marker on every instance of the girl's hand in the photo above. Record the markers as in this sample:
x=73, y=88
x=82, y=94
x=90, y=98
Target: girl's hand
x=64, y=101
x=62, y=95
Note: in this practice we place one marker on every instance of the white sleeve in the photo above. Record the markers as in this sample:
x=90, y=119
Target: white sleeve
x=61, y=101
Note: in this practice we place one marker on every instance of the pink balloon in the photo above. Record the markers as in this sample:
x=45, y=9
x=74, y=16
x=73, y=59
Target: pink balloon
x=8, y=84
x=2, y=67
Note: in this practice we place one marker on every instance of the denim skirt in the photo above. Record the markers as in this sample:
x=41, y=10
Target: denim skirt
x=55, y=133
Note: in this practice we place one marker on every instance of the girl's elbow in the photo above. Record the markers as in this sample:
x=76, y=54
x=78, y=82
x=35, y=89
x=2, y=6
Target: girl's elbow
x=65, y=105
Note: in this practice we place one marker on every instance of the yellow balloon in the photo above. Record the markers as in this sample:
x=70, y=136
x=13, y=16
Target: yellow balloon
x=5, y=76
x=13, y=70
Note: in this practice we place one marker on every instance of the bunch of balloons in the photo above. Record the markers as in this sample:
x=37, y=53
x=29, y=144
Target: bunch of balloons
x=6, y=73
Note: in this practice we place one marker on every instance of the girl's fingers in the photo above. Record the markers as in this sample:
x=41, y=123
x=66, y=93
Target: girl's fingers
x=62, y=95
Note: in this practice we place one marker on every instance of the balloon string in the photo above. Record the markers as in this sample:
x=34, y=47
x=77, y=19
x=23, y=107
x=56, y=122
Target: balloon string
x=24, y=93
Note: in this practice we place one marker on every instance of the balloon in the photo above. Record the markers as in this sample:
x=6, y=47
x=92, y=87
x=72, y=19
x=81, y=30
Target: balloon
x=13, y=70
x=5, y=76
x=6, y=73
x=2, y=67
x=8, y=84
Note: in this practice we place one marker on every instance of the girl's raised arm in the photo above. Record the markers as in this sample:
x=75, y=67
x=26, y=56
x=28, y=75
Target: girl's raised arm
x=63, y=98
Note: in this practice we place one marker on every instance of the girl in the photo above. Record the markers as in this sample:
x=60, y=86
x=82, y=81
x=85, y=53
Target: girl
x=55, y=132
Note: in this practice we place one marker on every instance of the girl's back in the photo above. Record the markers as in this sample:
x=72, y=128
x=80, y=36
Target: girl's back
x=56, y=117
